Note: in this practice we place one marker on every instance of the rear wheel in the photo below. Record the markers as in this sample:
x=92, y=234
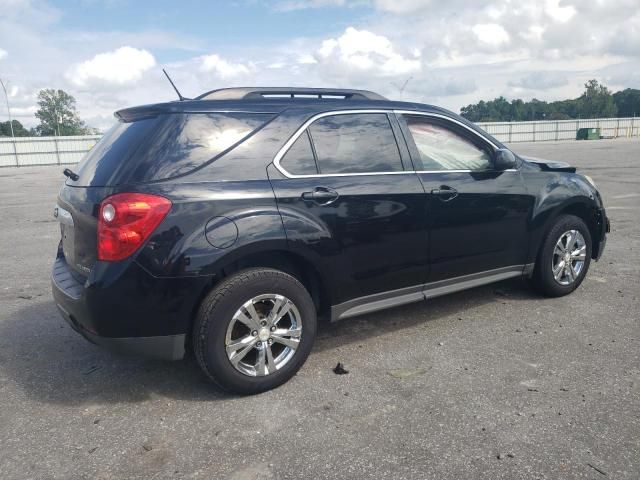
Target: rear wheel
x=254, y=330
x=564, y=257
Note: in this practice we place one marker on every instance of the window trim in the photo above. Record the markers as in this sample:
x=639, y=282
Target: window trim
x=312, y=148
x=468, y=129
x=285, y=148
x=452, y=129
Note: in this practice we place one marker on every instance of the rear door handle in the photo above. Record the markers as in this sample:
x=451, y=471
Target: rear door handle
x=321, y=195
x=445, y=193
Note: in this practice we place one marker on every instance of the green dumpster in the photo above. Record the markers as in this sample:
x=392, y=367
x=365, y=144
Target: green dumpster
x=588, y=134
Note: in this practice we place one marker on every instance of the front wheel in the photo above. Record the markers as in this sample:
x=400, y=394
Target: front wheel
x=254, y=330
x=564, y=257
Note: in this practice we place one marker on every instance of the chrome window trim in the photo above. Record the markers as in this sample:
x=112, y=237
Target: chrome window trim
x=285, y=148
x=445, y=117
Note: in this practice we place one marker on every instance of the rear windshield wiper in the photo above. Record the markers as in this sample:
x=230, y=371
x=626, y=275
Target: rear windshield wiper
x=71, y=174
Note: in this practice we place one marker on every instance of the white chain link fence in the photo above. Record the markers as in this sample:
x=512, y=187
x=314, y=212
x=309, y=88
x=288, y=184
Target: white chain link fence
x=27, y=151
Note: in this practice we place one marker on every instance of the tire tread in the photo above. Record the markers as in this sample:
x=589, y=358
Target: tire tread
x=219, y=293
x=540, y=281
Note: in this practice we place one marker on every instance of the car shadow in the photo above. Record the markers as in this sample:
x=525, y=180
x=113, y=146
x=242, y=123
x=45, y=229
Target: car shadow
x=52, y=364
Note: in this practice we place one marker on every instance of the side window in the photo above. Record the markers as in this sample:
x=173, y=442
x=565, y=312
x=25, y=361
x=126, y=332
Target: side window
x=441, y=148
x=355, y=143
x=299, y=158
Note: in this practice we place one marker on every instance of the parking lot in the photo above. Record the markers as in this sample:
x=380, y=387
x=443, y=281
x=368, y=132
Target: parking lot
x=494, y=382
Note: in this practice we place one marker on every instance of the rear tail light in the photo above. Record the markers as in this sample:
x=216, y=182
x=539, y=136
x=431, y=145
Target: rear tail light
x=125, y=221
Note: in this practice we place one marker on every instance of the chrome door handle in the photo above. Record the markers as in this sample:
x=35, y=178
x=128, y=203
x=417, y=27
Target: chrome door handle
x=445, y=193
x=321, y=195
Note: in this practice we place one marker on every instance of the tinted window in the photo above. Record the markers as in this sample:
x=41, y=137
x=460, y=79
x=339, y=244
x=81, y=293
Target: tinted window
x=165, y=146
x=104, y=161
x=355, y=143
x=299, y=158
x=441, y=148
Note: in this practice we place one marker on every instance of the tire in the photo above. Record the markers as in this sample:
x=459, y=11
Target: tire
x=233, y=314
x=544, y=278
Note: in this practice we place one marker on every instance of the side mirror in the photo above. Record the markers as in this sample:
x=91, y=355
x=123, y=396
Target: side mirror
x=504, y=159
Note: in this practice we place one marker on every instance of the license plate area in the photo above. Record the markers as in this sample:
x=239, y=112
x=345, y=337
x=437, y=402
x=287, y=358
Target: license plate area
x=67, y=232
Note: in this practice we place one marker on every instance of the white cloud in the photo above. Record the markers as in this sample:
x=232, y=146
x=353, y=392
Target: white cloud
x=456, y=51
x=540, y=81
x=559, y=13
x=533, y=33
x=3, y=53
x=401, y=6
x=491, y=34
x=123, y=66
x=306, y=58
x=364, y=51
x=224, y=68
x=289, y=5
x=23, y=111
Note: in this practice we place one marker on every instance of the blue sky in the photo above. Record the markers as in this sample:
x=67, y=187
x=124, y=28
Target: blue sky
x=216, y=24
x=109, y=53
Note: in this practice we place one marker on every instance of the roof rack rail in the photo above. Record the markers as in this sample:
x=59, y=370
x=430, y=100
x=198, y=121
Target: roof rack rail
x=252, y=93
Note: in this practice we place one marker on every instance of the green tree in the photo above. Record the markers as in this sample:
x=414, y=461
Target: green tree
x=596, y=101
x=628, y=102
x=18, y=129
x=57, y=114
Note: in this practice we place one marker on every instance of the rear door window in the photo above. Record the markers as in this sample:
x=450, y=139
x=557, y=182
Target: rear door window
x=165, y=146
x=299, y=159
x=355, y=143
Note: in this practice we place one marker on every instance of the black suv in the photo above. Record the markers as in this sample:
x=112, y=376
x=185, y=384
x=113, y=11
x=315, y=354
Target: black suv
x=227, y=224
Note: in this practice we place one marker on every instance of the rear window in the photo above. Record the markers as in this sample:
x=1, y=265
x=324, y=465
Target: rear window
x=165, y=146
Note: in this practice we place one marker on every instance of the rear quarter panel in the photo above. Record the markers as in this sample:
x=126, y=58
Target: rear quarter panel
x=204, y=215
x=231, y=196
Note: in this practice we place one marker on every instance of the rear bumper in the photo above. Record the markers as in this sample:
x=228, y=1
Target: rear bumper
x=166, y=347
x=127, y=310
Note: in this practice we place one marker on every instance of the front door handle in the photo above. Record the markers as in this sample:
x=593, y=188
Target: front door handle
x=321, y=195
x=445, y=193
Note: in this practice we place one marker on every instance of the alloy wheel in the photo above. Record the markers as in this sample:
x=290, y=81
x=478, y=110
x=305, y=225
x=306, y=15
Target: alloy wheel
x=569, y=255
x=263, y=335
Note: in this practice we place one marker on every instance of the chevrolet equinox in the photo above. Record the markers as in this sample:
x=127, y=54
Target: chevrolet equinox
x=226, y=225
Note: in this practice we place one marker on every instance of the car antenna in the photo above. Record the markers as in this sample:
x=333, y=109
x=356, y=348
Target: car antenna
x=174, y=86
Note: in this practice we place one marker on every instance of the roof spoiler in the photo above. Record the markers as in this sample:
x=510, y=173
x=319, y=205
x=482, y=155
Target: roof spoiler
x=254, y=93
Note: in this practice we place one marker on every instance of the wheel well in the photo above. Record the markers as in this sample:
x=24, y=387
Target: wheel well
x=290, y=263
x=589, y=216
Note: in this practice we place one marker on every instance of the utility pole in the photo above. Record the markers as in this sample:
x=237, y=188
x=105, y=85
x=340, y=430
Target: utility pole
x=6, y=97
x=13, y=137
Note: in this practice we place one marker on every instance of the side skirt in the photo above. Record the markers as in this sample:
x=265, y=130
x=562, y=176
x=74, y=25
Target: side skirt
x=394, y=298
